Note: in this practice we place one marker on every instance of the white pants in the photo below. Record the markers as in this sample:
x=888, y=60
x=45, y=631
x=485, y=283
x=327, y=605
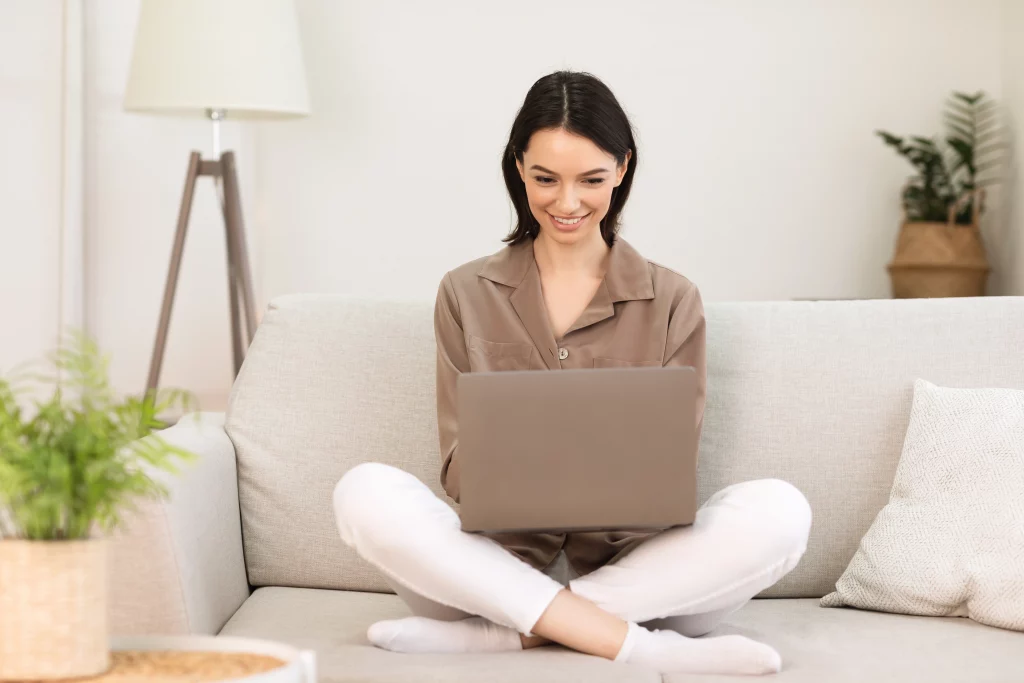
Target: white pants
x=744, y=539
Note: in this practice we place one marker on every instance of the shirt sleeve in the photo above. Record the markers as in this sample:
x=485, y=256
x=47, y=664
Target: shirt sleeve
x=452, y=360
x=686, y=344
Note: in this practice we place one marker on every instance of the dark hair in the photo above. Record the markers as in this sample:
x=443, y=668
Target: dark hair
x=581, y=104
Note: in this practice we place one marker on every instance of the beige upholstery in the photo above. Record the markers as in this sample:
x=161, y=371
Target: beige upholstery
x=817, y=645
x=950, y=541
x=813, y=393
x=177, y=567
x=818, y=394
x=327, y=384
x=334, y=624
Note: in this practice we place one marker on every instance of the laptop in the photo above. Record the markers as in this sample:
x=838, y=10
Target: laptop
x=577, y=450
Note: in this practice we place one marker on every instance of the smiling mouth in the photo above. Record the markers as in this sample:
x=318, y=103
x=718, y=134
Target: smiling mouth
x=568, y=222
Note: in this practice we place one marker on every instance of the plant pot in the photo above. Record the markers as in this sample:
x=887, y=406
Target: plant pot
x=53, y=609
x=938, y=260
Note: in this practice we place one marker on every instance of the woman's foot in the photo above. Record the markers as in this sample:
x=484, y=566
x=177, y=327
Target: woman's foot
x=423, y=635
x=665, y=651
x=668, y=651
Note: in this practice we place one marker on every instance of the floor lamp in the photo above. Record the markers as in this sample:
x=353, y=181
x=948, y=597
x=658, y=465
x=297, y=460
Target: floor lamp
x=217, y=59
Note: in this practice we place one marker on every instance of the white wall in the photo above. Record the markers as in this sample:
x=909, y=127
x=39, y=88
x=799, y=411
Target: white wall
x=31, y=170
x=1012, y=251
x=135, y=173
x=760, y=176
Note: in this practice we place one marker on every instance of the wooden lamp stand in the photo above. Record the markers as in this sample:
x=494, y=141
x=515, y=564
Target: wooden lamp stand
x=240, y=294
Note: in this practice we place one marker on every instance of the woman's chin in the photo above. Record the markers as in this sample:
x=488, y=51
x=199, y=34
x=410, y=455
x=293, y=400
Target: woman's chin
x=568, y=237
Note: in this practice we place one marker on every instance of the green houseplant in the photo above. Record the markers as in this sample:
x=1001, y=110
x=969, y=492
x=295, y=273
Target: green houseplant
x=70, y=472
x=939, y=251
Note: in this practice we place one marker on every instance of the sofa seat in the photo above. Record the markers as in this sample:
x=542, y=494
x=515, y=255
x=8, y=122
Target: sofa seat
x=817, y=645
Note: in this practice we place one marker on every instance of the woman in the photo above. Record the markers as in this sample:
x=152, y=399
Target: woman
x=568, y=293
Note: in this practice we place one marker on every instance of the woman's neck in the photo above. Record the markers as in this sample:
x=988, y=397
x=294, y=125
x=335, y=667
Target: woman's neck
x=588, y=258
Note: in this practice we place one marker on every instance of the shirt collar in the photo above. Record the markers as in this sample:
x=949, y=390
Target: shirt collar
x=628, y=277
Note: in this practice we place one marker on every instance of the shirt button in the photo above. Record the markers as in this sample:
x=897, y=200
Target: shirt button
x=563, y=353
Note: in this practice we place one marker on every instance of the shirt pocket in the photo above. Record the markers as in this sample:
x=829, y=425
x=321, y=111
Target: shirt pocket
x=489, y=356
x=616, y=363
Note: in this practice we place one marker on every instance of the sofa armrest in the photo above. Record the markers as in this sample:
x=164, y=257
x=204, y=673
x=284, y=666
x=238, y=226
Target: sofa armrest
x=177, y=566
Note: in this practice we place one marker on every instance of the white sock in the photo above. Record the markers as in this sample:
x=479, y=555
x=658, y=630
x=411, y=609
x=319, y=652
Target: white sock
x=423, y=635
x=668, y=651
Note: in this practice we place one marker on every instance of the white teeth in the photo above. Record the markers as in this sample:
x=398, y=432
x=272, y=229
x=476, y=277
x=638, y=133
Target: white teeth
x=572, y=222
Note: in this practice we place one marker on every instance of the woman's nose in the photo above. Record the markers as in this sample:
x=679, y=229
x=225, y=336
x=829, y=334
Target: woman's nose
x=568, y=202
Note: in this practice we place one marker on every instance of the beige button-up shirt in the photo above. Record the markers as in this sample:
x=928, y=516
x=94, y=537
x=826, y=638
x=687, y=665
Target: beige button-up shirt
x=490, y=315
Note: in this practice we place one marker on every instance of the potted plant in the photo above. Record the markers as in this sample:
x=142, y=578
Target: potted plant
x=69, y=473
x=940, y=251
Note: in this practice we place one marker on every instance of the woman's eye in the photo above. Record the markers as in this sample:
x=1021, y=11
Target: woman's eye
x=544, y=180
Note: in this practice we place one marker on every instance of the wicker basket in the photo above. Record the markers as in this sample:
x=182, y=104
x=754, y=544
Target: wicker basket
x=940, y=259
x=53, y=609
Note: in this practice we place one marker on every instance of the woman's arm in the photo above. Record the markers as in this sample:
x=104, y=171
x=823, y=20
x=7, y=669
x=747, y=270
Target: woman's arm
x=686, y=344
x=452, y=360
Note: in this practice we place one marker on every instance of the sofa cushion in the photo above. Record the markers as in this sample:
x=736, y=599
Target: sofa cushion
x=817, y=644
x=951, y=539
x=819, y=394
x=327, y=383
x=334, y=623
x=816, y=393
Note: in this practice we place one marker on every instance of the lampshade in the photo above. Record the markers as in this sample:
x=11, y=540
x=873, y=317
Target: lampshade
x=242, y=56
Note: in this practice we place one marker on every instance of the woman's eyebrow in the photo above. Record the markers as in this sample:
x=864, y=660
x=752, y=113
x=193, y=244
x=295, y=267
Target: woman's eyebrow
x=536, y=167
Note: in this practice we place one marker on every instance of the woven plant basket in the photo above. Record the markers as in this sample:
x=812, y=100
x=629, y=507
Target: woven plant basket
x=53, y=609
x=940, y=259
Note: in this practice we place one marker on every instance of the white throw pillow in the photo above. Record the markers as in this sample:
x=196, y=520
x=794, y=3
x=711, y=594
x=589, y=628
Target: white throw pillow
x=950, y=541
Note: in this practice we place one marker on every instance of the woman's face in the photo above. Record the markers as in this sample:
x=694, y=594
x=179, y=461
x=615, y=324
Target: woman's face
x=568, y=177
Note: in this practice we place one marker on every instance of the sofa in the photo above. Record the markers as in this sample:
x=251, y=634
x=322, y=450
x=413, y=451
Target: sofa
x=816, y=393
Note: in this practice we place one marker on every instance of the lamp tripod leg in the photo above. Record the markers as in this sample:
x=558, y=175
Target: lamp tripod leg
x=171, y=284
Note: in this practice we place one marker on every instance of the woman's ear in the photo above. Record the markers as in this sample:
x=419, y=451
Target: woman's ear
x=519, y=165
x=623, y=168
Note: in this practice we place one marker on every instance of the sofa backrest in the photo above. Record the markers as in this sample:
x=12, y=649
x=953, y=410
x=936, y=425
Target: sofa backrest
x=816, y=393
